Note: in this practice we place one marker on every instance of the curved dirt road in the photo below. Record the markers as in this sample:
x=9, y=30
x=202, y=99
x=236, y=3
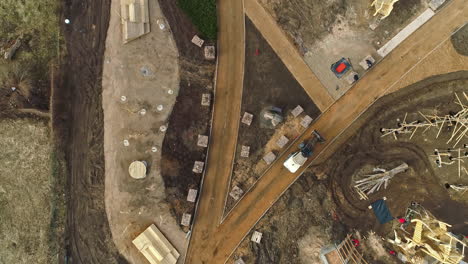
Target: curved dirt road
x=226, y=118
x=217, y=244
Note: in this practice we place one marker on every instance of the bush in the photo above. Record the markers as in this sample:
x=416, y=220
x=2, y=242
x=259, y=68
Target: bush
x=203, y=15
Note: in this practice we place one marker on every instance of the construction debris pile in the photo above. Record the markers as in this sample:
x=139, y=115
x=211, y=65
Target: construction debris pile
x=424, y=238
x=458, y=123
x=372, y=183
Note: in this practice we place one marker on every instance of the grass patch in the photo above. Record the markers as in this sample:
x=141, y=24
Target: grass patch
x=203, y=15
x=32, y=207
x=36, y=24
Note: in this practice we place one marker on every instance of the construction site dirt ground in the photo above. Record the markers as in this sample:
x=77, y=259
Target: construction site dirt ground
x=322, y=205
x=188, y=118
x=80, y=120
x=326, y=31
x=267, y=83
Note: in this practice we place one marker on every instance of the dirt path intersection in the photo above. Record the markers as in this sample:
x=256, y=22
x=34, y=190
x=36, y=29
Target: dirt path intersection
x=216, y=248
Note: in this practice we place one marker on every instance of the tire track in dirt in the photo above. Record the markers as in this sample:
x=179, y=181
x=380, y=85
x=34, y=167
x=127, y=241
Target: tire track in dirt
x=89, y=238
x=366, y=148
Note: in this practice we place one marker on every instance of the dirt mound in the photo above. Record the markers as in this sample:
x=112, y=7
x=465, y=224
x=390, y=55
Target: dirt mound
x=460, y=40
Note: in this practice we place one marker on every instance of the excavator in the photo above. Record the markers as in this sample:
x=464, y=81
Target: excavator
x=306, y=148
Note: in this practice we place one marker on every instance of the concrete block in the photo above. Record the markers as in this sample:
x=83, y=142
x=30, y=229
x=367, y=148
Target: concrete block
x=239, y=261
x=236, y=193
x=297, y=111
x=282, y=141
x=186, y=219
x=256, y=237
x=350, y=78
x=198, y=166
x=306, y=120
x=269, y=158
x=192, y=195
x=197, y=41
x=202, y=141
x=210, y=52
x=245, y=151
x=364, y=64
x=206, y=99
x=435, y=4
x=247, y=118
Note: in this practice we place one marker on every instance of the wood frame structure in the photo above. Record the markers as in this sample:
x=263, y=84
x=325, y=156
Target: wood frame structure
x=348, y=253
x=459, y=122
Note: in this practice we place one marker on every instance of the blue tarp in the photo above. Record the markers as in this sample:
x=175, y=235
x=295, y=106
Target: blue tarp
x=381, y=211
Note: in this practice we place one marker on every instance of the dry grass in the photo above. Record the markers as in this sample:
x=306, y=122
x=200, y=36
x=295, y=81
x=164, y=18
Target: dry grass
x=26, y=198
x=18, y=77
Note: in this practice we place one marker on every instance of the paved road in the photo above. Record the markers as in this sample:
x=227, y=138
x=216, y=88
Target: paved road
x=226, y=118
x=288, y=54
x=219, y=245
